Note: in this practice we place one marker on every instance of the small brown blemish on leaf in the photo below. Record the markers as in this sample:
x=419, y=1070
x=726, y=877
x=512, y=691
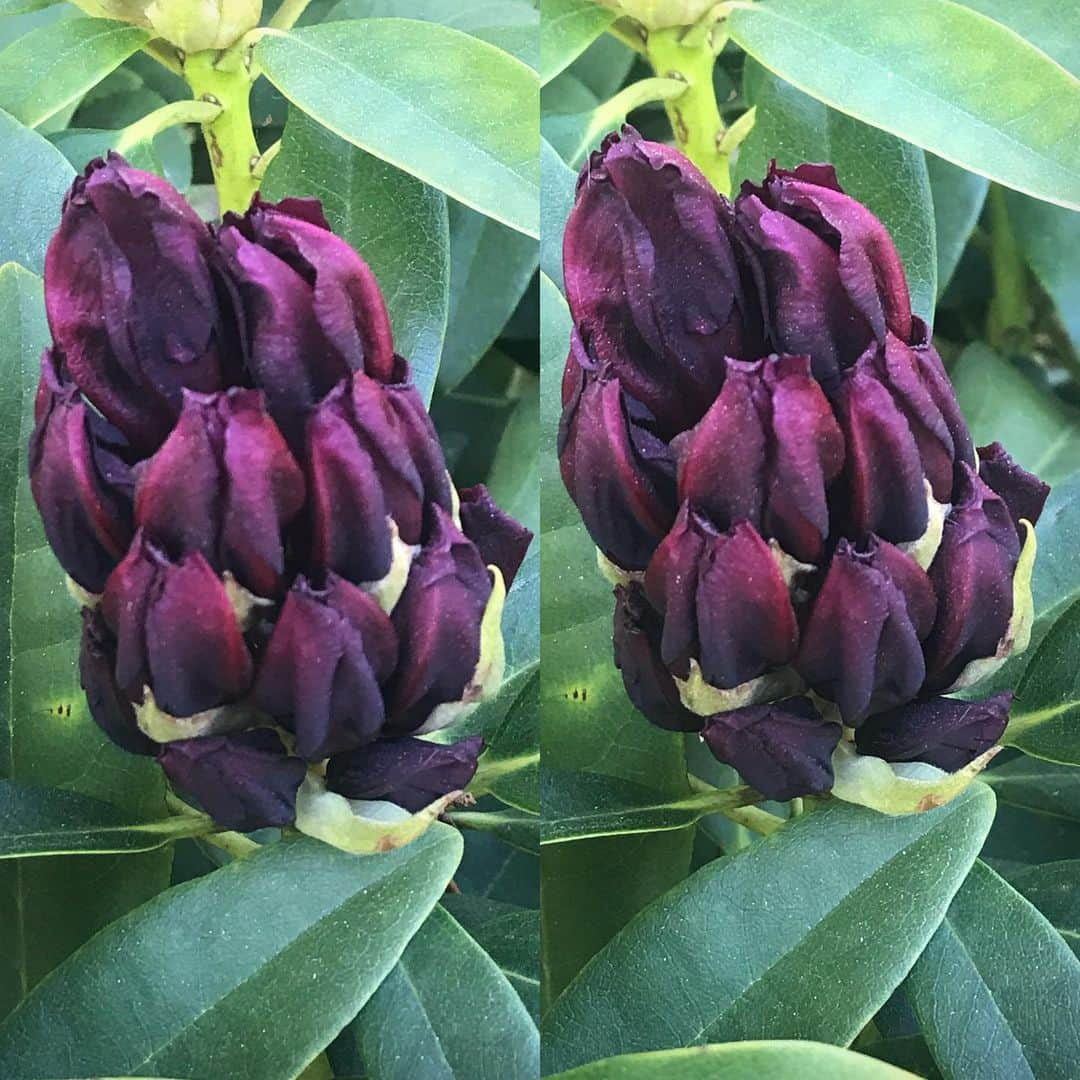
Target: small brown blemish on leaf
x=929, y=802
x=386, y=843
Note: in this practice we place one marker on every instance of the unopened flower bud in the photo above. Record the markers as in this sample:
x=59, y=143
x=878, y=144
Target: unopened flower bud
x=501, y=540
x=783, y=749
x=765, y=452
x=80, y=482
x=323, y=668
x=665, y=318
x=244, y=781
x=196, y=25
x=176, y=632
x=412, y=773
x=309, y=307
x=662, y=14
x=223, y=484
x=1022, y=492
x=130, y=299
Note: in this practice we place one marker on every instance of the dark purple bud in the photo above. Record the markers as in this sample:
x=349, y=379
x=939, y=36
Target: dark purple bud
x=176, y=632
x=784, y=749
x=111, y=710
x=620, y=475
x=1022, y=492
x=828, y=272
x=309, y=307
x=724, y=601
x=410, y=772
x=502, y=541
x=373, y=456
x=861, y=645
x=649, y=684
x=973, y=577
x=941, y=731
x=80, y=483
x=652, y=278
x=765, y=452
x=244, y=781
x=223, y=484
x=321, y=673
x=131, y=300
x=438, y=621
x=884, y=482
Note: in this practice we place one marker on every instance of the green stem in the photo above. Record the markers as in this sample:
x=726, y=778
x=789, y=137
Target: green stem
x=236, y=844
x=287, y=15
x=760, y=821
x=230, y=138
x=153, y=124
x=1010, y=307
x=695, y=117
x=267, y=156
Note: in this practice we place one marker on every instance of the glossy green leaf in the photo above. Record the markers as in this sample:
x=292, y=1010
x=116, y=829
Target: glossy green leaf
x=397, y=223
x=557, y=182
x=818, y=896
x=510, y=764
x=1045, y=717
x=779, y=1060
x=495, y=871
x=297, y=930
x=48, y=907
x=445, y=1011
x=51, y=821
x=510, y=935
x=996, y=990
x=1046, y=787
x=958, y=200
x=567, y=28
x=1049, y=239
x=1052, y=26
x=512, y=25
x=452, y=110
x=1000, y=403
x=53, y=66
x=883, y=172
x=80, y=145
x=18, y=7
x=517, y=828
x=934, y=73
x=34, y=178
x=513, y=479
x=1054, y=889
x=490, y=267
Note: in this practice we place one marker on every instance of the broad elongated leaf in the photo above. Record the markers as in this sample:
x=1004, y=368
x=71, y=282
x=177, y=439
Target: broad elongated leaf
x=996, y=990
x=514, y=827
x=513, y=478
x=510, y=935
x=297, y=930
x=958, y=200
x=885, y=173
x=51, y=821
x=556, y=200
x=453, y=110
x=779, y=1060
x=567, y=28
x=445, y=1011
x=490, y=267
x=1053, y=27
x=1045, y=787
x=48, y=907
x=496, y=871
x=999, y=106
x=1054, y=889
x=34, y=178
x=839, y=871
x=53, y=66
x=395, y=221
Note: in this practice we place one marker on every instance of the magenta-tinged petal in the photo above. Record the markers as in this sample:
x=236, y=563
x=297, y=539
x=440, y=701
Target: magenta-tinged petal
x=649, y=683
x=438, y=623
x=1022, y=492
x=860, y=645
x=883, y=476
x=972, y=575
x=224, y=484
x=501, y=540
x=322, y=669
x=941, y=731
x=112, y=711
x=81, y=486
x=652, y=278
x=176, y=632
x=784, y=749
x=131, y=300
x=410, y=772
x=620, y=475
x=766, y=451
x=245, y=781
